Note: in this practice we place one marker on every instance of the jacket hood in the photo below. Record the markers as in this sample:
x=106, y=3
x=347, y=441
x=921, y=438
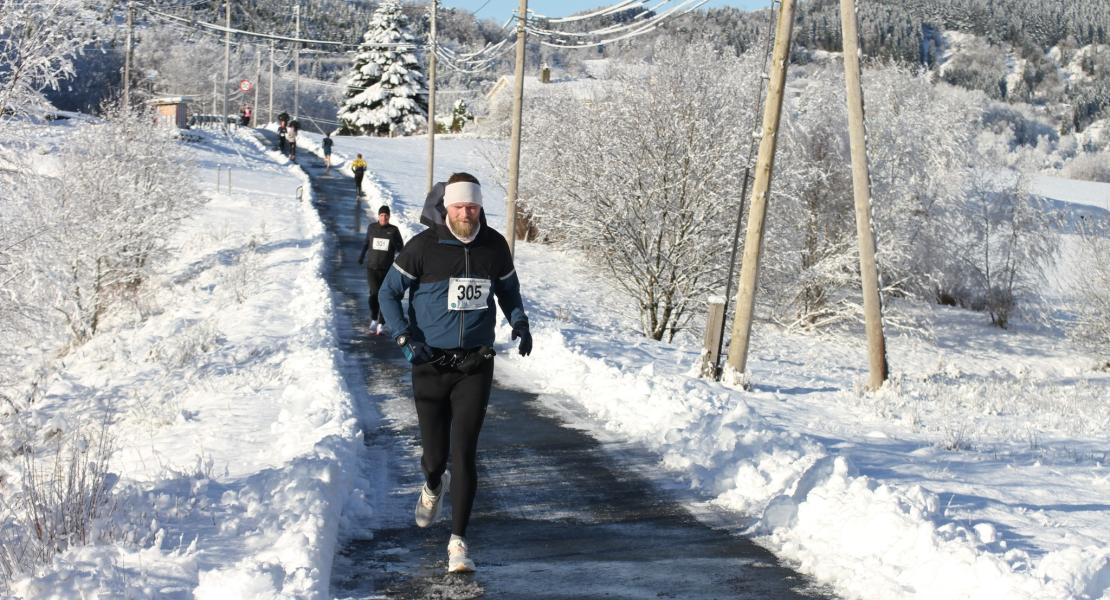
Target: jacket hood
x=435, y=214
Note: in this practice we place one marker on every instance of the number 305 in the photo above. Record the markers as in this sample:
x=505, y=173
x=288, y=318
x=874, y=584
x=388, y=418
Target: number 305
x=469, y=292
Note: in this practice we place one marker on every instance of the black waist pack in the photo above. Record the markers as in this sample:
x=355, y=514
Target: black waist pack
x=468, y=362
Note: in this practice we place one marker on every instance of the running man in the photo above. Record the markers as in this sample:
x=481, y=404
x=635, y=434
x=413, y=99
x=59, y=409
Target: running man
x=452, y=272
x=358, y=167
x=383, y=241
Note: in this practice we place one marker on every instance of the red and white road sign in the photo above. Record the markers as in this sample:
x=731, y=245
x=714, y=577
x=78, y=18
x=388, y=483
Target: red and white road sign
x=245, y=85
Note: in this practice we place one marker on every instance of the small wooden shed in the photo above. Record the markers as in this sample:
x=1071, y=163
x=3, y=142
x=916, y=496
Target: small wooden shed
x=170, y=111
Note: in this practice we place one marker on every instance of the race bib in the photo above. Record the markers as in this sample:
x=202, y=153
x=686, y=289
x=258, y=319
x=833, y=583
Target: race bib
x=468, y=293
x=381, y=243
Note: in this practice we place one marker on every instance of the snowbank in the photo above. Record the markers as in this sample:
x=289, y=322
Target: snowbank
x=858, y=490
x=238, y=445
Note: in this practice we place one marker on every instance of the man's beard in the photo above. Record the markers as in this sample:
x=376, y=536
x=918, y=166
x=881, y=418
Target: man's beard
x=462, y=228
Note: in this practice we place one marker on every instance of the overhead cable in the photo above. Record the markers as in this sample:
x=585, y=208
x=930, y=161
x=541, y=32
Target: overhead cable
x=641, y=28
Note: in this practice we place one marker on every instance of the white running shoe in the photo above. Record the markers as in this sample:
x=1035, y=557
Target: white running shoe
x=458, y=560
x=380, y=329
x=373, y=326
x=427, y=506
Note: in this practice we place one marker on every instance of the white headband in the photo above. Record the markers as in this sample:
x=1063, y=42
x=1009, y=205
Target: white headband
x=462, y=191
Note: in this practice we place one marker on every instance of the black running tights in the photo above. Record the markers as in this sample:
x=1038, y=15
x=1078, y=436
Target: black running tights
x=375, y=277
x=451, y=406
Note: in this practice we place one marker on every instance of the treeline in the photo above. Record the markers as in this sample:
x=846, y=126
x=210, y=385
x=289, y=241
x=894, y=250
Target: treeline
x=907, y=32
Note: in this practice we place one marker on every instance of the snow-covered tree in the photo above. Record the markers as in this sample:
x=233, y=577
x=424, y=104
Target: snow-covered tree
x=1007, y=238
x=38, y=39
x=460, y=115
x=387, y=92
x=951, y=226
x=1091, y=326
x=810, y=270
x=75, y=247
x=645, y=179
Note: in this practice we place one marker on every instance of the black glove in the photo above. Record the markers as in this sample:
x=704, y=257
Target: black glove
x=360, y=259
x=415, y=352
x=520, y=330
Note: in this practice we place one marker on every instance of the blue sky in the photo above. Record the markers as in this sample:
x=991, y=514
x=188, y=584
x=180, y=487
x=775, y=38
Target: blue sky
x=499, y=10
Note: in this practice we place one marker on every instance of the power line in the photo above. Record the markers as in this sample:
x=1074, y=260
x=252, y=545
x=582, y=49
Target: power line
x=614, y=28
x=270, y=36
x=475, y=13
x=634, y=30
x=618, y=7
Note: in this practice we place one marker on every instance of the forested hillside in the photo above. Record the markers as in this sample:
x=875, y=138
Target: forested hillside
x=1051, y=53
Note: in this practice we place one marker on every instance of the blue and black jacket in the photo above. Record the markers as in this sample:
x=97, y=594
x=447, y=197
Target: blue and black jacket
x=425, y=269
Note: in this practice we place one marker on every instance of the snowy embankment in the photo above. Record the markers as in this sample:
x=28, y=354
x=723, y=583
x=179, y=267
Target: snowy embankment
x=981, y=473
x=237, y=442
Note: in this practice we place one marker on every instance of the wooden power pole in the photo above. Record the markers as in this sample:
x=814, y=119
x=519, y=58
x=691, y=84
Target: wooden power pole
x=270, y=106
x=227, y=61
x=764, y=167
x=297, y=63
x=861, y=187
x=257, y=84
x=432, y=99
x=127, y=56
x=518, y=107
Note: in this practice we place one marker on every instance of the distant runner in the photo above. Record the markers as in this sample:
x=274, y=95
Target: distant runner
x=383, y=242
x=452, y=271
x=327, y=144
x=291, y=138
x=358, y=167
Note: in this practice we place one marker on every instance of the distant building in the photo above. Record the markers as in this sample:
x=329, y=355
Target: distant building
x=170, y=111
x=585, y=90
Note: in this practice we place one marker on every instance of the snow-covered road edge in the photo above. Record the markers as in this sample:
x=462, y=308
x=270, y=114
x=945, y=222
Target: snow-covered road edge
x=314, y=488
x=865, y=537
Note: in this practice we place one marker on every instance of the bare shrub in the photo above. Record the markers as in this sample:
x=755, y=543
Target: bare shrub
x=60, y=498
x=645, y=177
x=1090, y=167
x=1091, y=327
x=83, y=245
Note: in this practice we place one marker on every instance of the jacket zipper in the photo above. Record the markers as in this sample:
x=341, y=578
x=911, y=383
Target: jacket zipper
x=462, y=313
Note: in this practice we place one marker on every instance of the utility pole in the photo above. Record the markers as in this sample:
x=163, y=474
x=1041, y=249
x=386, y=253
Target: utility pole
x=297, y=62
x=257, y=84
x=127, y=56
x=764, y=167
x=518, y=107
x=270, y=109
x=227, y=60
x=432, y=99
x=861, y=187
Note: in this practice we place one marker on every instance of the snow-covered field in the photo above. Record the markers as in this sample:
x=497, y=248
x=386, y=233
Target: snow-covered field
x=980, y=473
x=236, y=441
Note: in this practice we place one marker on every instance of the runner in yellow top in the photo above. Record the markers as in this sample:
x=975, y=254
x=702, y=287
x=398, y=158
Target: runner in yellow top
x=358, y=167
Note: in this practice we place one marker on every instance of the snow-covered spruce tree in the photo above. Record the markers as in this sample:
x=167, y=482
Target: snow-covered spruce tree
x=645, y=178
x=386, y=92
x=460, y=115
